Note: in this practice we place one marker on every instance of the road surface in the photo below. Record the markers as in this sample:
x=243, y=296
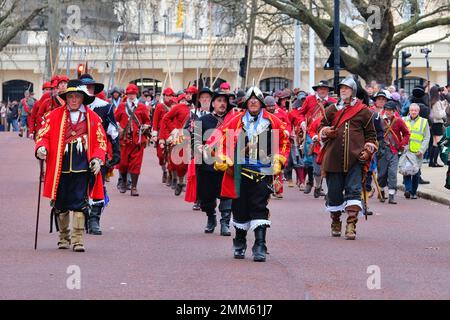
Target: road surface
x=153, y=247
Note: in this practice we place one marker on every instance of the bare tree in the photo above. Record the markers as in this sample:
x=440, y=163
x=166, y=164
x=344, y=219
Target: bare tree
x=384, y=22
x=10, y=21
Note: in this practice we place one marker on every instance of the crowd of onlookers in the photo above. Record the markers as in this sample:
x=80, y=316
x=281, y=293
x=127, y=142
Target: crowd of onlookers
x=14, y=114
x=431, y=140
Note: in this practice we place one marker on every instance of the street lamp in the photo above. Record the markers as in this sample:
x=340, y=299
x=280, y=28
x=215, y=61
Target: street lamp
x=426, y=52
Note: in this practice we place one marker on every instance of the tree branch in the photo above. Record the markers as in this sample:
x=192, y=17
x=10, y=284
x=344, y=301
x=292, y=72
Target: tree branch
x=8, y=12
x=322, y=27
x=19, y=27
x=412, y=29
x=419, y=44
x=401, y=27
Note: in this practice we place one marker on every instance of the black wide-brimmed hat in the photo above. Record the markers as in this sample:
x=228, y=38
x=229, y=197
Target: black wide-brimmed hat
x=76, y=85
x=87, y=79
x=220, y=93
x=205, y=90
x=324, y=84
x=418, y=92
x=390, y=105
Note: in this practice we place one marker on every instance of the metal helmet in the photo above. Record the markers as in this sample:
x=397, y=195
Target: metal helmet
x=350, y=82
x=253, y=91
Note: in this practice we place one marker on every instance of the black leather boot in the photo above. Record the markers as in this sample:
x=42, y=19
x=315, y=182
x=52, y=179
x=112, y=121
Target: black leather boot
x=123, y=183
x=174, y=182
x=225, y=224
x=169, y=179
x=382, y=196
x=211, y=223
x=94, y=220
x=259, y=248
x=179, y=189
x=134, y=181
x=432, y=153
x=240, y=244
x=447, y=181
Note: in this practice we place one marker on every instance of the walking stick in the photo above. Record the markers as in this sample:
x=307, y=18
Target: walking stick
x=377, y=186
x=41, y=164
x=364, y=193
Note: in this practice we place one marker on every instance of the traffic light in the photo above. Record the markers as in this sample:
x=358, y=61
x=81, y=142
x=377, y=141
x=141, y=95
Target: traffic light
x=405, y=63
x=80, y=70
x=243, y=68
x=243, y=64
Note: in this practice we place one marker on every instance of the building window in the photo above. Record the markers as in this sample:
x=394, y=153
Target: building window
x=149, y=84
x=275, y=83
x=411, y=82
x=15, y=89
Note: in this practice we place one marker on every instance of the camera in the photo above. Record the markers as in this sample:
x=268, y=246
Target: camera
x=425, y=51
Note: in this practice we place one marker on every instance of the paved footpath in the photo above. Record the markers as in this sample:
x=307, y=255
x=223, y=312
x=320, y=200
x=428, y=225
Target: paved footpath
x=435, y=190
x=154, y=247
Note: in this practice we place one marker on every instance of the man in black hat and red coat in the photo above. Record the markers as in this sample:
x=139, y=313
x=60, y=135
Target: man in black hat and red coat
x=73, y=144
x=209, y=181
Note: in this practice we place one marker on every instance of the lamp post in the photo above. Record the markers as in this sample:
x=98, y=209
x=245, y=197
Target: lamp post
x=337, y=45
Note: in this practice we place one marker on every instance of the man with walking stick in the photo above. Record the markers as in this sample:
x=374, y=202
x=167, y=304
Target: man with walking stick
x=73, y=144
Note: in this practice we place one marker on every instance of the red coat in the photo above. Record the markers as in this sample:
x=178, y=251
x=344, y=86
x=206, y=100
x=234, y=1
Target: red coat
x=46, y=106
x=51, y=136
x=310, y=110
x=176, y=118
x=231, y=114
x=294, y=117
x=283, y=116
x=401, y=132
x=160, y=110
x=230, y=189
x=34, y=124
x=142, y=115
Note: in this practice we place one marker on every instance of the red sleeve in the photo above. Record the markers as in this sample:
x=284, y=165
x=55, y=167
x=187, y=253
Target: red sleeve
x=43, y=138
x=119, y=114
x=287, y=122
x=314, y=128
x=284, y=144
x=291, y=117
x=304, y=109
x=157, y=116
x=144, y=114
x=167, y=122
x=43, y=109
x=32, y=117
x=99, y=146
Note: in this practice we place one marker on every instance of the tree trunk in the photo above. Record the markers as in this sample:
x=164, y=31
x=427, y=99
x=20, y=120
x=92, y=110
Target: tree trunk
x=374, y=69
x=54, y=27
